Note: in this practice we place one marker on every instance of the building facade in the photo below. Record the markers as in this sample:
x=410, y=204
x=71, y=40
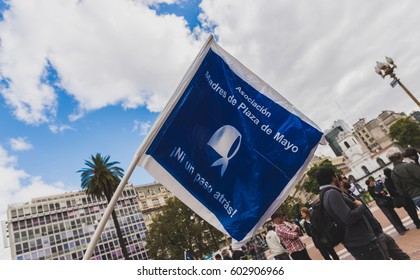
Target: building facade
x=373, y=135
x=152, y=197
x=61, y=227
x=361, y=162
x=341, y=162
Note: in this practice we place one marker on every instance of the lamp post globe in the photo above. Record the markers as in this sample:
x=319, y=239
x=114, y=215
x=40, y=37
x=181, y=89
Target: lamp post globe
x=387, y=69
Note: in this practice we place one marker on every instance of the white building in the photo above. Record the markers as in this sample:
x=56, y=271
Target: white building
x=361, y=162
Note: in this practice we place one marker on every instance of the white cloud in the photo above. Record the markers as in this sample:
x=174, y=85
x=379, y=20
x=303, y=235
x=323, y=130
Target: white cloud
x=17, y=186
x=106, y=52
x=59, y=128
x=20, y=144
x=322, y=53
x=142, y=127
x=317, y=54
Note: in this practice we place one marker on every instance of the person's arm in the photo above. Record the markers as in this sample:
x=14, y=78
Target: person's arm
x=340, y=209
x=398, y=183
x=414, y=170
x=285, y=233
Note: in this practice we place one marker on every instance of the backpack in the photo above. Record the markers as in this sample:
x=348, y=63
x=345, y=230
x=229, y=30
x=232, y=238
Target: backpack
x=325, y=228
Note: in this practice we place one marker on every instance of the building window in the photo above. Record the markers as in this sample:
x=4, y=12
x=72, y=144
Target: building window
x=364, y=168
x=380, y=162
x=144, y=204
x=346, y=144
x=156, y=202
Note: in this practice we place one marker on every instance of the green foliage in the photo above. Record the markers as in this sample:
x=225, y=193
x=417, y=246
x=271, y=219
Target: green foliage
x=406, y=131
x=100, y=177
x=178, y=229
x=291, y=207
x=311, y=185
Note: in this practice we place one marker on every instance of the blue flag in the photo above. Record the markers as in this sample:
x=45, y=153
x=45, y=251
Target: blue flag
x=228, y=145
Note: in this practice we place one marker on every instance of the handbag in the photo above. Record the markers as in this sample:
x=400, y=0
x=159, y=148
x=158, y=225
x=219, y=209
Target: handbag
x=398, y=201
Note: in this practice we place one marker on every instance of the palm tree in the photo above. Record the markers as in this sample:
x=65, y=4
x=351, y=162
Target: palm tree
x=101, y=178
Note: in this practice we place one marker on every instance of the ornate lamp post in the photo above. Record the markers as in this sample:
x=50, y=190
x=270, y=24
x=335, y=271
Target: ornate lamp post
x=387, y=68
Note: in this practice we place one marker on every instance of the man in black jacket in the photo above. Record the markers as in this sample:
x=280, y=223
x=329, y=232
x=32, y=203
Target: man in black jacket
x=387, y=243
x=359, y=239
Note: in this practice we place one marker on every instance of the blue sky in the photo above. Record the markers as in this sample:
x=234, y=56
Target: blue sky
x=81, y=77
x=56, y=150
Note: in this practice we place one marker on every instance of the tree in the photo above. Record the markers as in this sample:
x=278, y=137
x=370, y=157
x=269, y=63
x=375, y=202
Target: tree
x=406, y=131
x=311, y=185
x=289, y=206
x=101, y=178
x=177, y=230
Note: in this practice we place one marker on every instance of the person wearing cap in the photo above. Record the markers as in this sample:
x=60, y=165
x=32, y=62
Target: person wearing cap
x=406, y=176
x=289, y=236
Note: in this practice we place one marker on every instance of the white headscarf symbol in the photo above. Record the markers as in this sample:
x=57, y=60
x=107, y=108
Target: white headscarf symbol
x=222, y=142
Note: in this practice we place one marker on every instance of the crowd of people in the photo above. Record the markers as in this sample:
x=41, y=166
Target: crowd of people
x=364, y=237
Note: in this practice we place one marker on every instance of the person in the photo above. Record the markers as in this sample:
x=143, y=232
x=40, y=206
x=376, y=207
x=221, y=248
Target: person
x=275, y=246
x=406, y=177
x=289, y=236
x=218, y=257
x=387, y=243
x=256, y=249
x=384, y=202
x=238, y=254
x=301, y=229
x=226, y=254
x=359, y=238
x=261, y=241
x=327, y=250
x=411, y=155
x=409, y=205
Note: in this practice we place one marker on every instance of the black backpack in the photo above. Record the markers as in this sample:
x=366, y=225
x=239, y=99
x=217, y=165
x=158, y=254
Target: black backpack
x=325, y=228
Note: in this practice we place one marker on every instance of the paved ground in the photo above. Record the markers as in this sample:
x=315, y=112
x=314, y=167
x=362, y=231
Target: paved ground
x=409, y=243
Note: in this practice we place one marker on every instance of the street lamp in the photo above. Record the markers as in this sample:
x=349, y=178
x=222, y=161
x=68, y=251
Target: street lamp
x=387, y=68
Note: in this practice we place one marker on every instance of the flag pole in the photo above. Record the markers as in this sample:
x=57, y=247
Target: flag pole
x=140, y=152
